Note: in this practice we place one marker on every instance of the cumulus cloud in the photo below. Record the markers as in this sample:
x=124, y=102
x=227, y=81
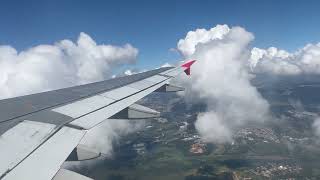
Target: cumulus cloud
x=187, y=46
x=167, y=65
x=305, y=61
x=220, y=78
x=128, y=72
x=316, y=126
x=212, y=128
x=65, y=63
x=102, y=137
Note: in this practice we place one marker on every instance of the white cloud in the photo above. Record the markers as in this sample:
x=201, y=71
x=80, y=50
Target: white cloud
x=187, y=46
x=167, y=65
x=316, y=126
x=220, y=78
x=102, y=137
x=305, y=61
x=212, y=127
x=47, y=67
x=128, y=72
x=272, y=52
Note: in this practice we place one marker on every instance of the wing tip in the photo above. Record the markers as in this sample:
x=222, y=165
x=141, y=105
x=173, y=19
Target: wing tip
x=187, y=66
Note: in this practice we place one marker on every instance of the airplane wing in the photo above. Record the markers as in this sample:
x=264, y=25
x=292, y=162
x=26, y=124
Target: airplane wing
x=39, y=132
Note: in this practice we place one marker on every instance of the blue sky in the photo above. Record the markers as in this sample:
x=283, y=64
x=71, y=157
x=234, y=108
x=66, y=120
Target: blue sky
x=156, y=26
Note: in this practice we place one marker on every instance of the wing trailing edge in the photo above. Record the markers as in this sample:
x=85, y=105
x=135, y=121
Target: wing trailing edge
x=64, y=174
x=136, y=111
x=170, y=88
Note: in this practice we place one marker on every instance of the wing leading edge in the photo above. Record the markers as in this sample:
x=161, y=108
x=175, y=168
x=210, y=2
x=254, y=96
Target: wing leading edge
x=39, y=132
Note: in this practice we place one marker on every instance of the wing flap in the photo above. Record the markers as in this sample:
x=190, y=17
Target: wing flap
x=20, y=141
x=47, y=159
x=64, y=174
x=119, y=93
x=136, y=111
x=170, y=88
x=83, y=106
x=90, y=120
x=140, y=85
x=83, y=152
x=156, y=78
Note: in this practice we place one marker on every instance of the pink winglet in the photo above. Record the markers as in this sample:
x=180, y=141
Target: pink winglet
x=187, y=66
